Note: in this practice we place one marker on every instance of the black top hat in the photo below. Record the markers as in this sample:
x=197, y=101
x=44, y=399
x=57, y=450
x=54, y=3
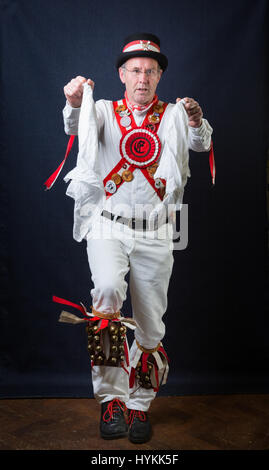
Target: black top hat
x=142, y=45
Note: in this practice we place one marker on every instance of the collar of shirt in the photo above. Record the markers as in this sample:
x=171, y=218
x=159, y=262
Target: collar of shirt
x=140, y=110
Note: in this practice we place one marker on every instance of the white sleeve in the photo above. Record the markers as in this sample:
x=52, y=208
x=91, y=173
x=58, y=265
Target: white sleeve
x=199, y=138
x=71, y=118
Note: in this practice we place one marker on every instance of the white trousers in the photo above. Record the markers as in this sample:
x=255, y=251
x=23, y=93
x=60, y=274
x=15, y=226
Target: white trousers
x=113, y=251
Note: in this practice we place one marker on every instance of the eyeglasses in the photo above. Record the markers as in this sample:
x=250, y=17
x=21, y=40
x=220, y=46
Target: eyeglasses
x=149, y=72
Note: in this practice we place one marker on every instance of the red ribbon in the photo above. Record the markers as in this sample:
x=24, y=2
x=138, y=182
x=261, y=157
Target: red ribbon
x=124, y=368
x=71, y=304
x=132, y=378
x=51, y=180
x=212, y=163
x=104, y=321
x=144, y=362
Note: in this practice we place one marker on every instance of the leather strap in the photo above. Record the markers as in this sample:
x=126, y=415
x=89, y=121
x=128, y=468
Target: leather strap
x=135, y=224
x=147, y=351
x=106, y=316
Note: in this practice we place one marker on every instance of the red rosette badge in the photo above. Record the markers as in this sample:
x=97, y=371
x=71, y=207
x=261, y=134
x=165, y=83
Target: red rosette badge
x=140, y=147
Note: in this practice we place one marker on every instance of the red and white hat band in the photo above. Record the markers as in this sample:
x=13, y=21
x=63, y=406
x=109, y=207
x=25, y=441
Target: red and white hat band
x=141, y=46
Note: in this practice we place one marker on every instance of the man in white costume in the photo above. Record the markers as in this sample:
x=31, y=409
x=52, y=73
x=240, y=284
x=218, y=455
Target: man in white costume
x=129, y=180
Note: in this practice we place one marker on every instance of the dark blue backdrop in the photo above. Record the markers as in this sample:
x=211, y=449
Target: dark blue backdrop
x=217, y=320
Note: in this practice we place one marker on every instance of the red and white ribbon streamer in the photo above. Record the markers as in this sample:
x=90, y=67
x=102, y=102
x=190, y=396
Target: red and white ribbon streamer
x=51, y=180
x=212, y=163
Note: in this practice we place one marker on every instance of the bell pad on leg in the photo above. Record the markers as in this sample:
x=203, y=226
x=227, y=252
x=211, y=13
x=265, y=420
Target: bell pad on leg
x=144, y=377
x=106, y=346
x=149, y=367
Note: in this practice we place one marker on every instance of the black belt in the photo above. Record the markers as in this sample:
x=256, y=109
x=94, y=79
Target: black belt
x=135, y=224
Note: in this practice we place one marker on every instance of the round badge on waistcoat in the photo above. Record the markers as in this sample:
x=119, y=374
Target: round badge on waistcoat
x=110, y=187
x=154, y=118
x=119, y=109
x=116, y=178
x=151, y=127
x=125, y=121
x=127, y=175
x=140, y=147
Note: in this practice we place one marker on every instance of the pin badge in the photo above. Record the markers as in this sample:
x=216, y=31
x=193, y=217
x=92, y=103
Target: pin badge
x=125, y=121
x=151, y=127
x=158, y=183
x=154, y=118
x=157, y=108
x=127, y=175
x=110, y=187
x=116, y=178
x=125, y=113
x=152, y=169
x=120, y=108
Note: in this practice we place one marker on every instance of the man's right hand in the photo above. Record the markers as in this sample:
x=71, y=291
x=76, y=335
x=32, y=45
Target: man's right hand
x=74, y=90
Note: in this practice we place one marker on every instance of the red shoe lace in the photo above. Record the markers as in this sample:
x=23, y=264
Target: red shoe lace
x=133, y=413
x=113, y=407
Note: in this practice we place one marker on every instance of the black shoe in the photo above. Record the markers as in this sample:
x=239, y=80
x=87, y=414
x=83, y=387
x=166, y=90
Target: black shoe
x=139, y=426
x=112, y=423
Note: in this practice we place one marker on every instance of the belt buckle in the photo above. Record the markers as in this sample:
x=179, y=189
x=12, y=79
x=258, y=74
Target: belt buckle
x=139, y=224
x=130, y=223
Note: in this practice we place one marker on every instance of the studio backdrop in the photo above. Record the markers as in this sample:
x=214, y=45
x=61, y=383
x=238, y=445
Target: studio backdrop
x=217, y=317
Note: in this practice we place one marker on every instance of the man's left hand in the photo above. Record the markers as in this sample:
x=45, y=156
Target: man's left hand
x=193, y=110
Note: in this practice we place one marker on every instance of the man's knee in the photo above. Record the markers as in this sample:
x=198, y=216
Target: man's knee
x=110, y=291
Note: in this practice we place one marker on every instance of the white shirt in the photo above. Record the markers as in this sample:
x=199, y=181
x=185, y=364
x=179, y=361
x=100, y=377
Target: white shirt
x=137, y=198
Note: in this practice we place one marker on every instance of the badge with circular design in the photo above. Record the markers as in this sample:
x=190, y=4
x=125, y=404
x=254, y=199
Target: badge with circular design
x=158, y=108
x=116, y=178
x=120, y=108
x=154, y=118
x=125, y=121
x=140, y=147
x=110, y=187
x=158, y=183
x=152, y=169
x=127, y=175
x=151, y=127
x=124, y=113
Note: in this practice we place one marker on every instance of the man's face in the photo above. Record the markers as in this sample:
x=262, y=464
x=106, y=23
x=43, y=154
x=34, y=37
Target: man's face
x=140, y=87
